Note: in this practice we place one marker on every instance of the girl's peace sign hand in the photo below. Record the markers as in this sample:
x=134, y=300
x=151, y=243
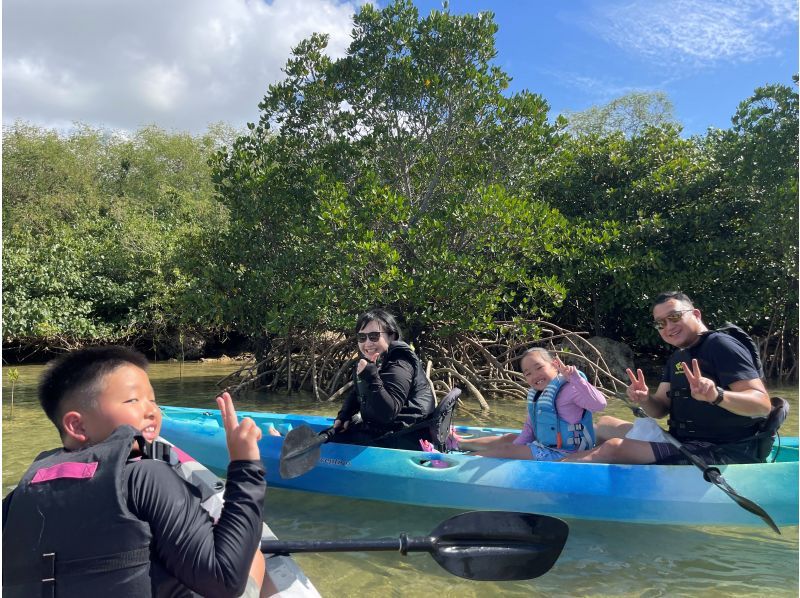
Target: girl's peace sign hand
x=242, y=437
x=563, y=369
x=702, y=389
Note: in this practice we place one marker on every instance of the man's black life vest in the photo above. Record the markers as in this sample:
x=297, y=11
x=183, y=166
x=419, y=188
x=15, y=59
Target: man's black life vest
x=68, y=531
x=690, y=419
x=419, y=403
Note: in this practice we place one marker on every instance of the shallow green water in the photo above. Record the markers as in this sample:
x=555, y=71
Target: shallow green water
x=600, y=559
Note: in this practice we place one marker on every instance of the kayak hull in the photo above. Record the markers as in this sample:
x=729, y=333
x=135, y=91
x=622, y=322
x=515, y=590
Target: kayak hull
x=663, y=494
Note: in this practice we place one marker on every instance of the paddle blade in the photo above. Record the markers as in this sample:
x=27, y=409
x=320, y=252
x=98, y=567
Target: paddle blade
x=300, y=452
x=712, y=474
x=498, y=545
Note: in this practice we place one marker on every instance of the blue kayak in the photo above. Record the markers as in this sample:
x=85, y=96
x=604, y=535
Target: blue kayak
x=666, y=494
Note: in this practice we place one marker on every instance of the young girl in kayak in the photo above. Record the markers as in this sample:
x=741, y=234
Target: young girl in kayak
x=104, y=519
x=549, y=434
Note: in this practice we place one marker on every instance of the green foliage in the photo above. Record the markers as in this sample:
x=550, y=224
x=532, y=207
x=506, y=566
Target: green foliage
x=100, y=232
x=404, y=175
x=714, y=216
x=378, y=179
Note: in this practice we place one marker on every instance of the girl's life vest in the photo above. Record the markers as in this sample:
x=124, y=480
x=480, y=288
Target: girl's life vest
x=552, y=431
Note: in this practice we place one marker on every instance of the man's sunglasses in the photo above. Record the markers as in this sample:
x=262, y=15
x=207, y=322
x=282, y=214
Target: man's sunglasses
x=675, y=316
x=362, y=337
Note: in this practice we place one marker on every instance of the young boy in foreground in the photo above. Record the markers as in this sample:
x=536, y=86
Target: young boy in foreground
x=95, y=518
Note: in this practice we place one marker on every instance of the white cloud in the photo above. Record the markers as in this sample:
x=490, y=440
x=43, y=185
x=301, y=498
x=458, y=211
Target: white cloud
x=697, y=32
x=181, y=64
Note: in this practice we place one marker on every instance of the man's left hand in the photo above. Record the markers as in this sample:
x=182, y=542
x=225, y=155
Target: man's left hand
x=702, y=389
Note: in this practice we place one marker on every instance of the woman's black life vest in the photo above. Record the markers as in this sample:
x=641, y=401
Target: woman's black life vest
x=68, y=531
x=419, y=403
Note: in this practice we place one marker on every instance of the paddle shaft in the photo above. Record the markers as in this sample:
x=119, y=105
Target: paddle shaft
x=403, y=544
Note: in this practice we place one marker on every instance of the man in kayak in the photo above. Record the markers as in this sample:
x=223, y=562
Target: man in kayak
x=98, y=517
x=711, y=390
x=392, y=395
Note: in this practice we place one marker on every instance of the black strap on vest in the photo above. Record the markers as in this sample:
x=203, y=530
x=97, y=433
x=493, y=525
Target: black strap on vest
x=49, y=575
x=159, y=451
x=51, y=568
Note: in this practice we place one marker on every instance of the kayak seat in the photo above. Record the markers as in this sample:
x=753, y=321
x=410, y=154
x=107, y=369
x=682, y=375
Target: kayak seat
x=769, y=429
x=437, y=424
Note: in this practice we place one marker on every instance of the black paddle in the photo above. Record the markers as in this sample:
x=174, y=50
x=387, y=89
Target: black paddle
x=479, y=545
x=301, y=449
x=710, y=474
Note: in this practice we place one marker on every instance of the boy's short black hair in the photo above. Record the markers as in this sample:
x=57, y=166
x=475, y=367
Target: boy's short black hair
x=677, y=295
x=384, y=318
x=79, y=373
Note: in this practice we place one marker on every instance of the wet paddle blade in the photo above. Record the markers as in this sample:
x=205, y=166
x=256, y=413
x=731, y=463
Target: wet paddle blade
x=300, y=452
x=713, y=476
x=479, y=545
x=499, y=546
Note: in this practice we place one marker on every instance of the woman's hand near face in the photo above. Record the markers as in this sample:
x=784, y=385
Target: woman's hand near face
x=367, y=358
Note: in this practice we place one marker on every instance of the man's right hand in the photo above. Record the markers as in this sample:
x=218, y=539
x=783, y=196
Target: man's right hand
x=340, y=426
x=637, y=391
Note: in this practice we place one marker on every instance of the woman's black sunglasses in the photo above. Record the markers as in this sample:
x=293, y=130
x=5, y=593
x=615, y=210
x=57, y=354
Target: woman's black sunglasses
x=362, y=337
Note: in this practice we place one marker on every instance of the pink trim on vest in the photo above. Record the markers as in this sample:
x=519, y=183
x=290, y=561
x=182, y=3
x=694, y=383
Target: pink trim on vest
x=182, y=457
x=65, y=470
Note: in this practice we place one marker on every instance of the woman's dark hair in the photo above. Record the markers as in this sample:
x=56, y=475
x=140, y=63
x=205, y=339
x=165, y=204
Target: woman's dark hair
x=384, y=318
x=79, y=374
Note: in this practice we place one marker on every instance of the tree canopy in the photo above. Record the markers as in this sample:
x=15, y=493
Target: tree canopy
x=404, y=174
x=391, y=176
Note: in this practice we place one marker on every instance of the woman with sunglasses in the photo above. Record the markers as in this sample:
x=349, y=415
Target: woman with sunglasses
x=391, y=391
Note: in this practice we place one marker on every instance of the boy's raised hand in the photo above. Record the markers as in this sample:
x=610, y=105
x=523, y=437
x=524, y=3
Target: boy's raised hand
x=242, y=436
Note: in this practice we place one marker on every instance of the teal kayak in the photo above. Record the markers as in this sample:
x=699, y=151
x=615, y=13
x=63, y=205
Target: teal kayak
x=662, y=494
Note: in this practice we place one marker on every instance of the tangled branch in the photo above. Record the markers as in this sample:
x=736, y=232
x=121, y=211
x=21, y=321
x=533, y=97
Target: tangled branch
x=484, y=365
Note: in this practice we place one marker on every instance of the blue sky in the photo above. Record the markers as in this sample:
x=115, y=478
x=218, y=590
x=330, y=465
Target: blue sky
x=706, y=55
x=184, y=64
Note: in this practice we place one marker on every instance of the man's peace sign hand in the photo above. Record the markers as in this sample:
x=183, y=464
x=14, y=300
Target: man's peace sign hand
x=702, y=389
x=637, y=390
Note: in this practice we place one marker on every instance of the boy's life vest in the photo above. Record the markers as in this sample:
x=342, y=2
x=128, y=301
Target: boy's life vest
x=549, y=428
x=68, y=531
